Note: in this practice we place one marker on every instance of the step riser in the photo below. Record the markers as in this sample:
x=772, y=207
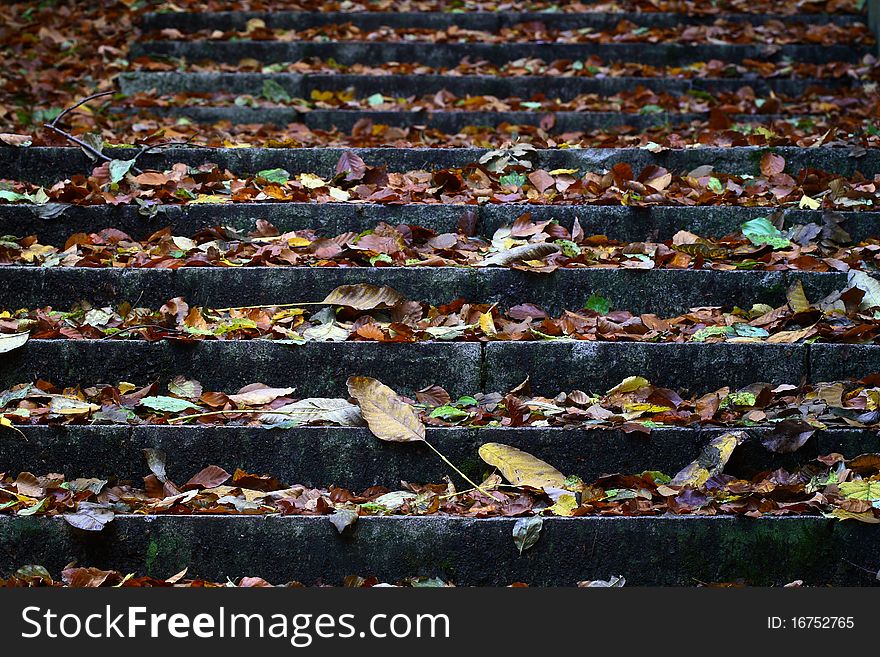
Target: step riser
x=617, y=222
x=662, y=292
x=484, y=21
x=321, y=369
x=450, y=54
x=763, y=552
x=449, y=122
x=46, y=165
x=355, y=459
x=565, y=88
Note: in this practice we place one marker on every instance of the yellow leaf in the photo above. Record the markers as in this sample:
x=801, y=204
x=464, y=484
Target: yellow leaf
x=339, y=194
x=561, y=172
x=521, y=468
x=298, y=241
x=487, y=324
x=125, y=387
x=797, y=298
x=630, y=384
x=646, y=408
x=387, y=417
x=209, y=198
x=711, y=460
x=867, y=516
x=4, y=422
x=808, y=203
x=565, y=505
x=311, y=181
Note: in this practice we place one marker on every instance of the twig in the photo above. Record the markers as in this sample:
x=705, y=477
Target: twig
x=53, y=126
x=460, y=473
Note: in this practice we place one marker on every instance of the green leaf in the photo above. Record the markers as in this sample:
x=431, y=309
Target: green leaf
x=450, y=413
x=375, y=99
x=526, y=532
x=274, y=92
x=739, y=399
x=513, y=180
x=12, y=197
x=760, y=231
x=166, y=404
x=382, y=257
x=569, y=248
x=598, y=303
x=279, y=176
x=716, y=186
x=709, y=332
x=118, y=169
x=651, y=109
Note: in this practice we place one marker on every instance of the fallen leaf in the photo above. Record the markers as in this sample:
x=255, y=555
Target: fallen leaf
x=527, y=531
x=387, y=417
x=521, y=468
x=365, y=296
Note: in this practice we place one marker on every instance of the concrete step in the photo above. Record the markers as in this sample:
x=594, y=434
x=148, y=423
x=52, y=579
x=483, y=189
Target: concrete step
x=659, y=291
x=353, y=458
x=691, y=549
x=449, y=122
x=470, y=20
x=320, y=369
x=301, y=85
x=654, y=223
x=450, y=54
x=47, y=165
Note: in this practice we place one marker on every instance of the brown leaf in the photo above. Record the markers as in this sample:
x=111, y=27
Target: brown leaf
x=208, y=478
x=772, y=164
x=365, y=296
x=541, y=180
x=351, y=164
x=387, y=417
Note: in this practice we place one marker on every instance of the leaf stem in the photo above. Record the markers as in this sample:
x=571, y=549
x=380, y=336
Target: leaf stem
x=460, y=473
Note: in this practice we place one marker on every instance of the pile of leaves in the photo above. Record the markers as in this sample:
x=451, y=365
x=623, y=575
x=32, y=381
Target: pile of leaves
x=538, y=247
x=695, y=7
x=773, y=32
x=77, y=577
x=633, y=405
x=507, y=175
x=592, y=66
x=859, y=102
x=365, y=312
x=847, y=489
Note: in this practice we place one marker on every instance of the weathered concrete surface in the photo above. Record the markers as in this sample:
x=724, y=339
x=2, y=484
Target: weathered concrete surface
x=691, y=549
x=449, y=122
x=855, y=360
x=301, y=85
x=49, y=164
x=328, y=219
x=315, y=369
x=470, y=20
x=598, y=366
x=321, y=369
x=450, y=54
x=355, y=459
x=660, y=291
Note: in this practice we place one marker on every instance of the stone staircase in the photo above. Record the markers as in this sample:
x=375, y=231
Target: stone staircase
x=648, y=551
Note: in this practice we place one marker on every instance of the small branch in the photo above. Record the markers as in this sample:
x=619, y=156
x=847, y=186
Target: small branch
x=460, y=473
x=55, y=121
